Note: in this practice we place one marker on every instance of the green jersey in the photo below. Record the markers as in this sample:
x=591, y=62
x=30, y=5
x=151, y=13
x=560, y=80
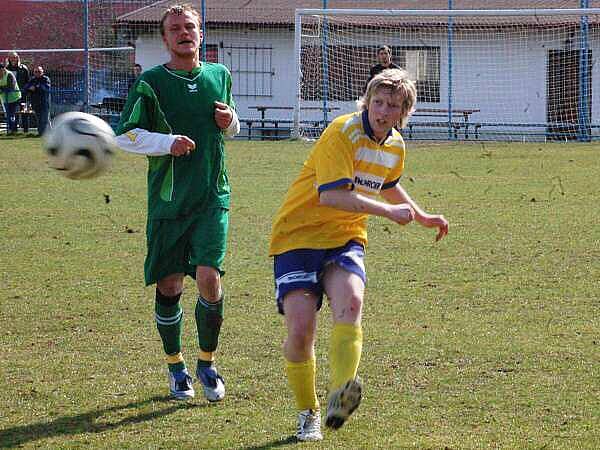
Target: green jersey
x=182, y=103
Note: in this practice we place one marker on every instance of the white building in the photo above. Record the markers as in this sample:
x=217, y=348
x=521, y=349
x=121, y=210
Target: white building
x=508, y=76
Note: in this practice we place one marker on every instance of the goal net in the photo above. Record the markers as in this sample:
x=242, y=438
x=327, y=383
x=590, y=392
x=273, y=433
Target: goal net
x=524, y=75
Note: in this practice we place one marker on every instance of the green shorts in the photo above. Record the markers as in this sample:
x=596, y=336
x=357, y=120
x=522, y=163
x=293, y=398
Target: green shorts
x=179, y=245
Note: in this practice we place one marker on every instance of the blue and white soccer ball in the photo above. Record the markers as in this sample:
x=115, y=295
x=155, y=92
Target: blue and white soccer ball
x=80, y=145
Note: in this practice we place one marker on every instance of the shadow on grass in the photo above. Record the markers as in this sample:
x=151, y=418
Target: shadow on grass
x=87, y=422
x=274, y=444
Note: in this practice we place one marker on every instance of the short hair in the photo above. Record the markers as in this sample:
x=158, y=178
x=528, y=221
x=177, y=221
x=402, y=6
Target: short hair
x=385, y=48
x=399, y=82
x=177, y=9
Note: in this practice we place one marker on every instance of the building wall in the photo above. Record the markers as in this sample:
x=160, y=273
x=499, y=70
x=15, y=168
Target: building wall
x=501, y=74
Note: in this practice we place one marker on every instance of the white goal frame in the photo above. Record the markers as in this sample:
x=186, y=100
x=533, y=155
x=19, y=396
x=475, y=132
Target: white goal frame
x=324, y=13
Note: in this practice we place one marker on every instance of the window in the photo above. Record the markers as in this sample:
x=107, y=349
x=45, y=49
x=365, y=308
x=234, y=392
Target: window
x=251, y=70
x=423, y=65
x=348, y=71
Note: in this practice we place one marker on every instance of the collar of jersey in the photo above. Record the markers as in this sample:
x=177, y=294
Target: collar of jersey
x=188, y=76
x=369, y=130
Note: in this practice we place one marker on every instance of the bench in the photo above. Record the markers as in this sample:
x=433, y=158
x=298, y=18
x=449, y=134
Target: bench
x=459, y=119
x=540, y=131
x=25, y=119
x=110, y=105
x=266, y=129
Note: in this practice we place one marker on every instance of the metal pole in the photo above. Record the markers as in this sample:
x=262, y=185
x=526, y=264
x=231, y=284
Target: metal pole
x=450, y=44
x=297, y=49
x=324, y=47
x=583, y=100
x=86, y=57
x=203, y=8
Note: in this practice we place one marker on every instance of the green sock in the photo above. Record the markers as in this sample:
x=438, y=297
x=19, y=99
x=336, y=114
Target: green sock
x=209, y=317
x=169, y=321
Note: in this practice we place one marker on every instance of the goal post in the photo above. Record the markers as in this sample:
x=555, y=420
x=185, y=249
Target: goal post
x=514, y=74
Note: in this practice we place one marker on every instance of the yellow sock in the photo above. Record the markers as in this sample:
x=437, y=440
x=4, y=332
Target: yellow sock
x=345, y=348
x=301, y=378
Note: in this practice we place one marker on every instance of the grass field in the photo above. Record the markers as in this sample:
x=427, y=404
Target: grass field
x=487, y=339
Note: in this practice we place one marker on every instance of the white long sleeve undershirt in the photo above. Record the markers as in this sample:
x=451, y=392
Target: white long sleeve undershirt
x=149, y=143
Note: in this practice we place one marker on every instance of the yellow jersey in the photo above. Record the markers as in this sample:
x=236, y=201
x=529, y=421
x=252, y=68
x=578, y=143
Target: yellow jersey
x=346, y=154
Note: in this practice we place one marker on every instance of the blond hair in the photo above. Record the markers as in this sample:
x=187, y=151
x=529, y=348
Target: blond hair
x=398, y=82
x=178, y=10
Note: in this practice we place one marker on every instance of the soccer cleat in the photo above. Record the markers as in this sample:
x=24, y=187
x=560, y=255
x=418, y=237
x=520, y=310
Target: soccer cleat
x=342, y=403
x=309, y=426
x=180, y=385
x=212, y=383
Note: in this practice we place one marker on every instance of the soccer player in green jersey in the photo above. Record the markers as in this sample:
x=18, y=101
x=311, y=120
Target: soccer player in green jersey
x=177, y=115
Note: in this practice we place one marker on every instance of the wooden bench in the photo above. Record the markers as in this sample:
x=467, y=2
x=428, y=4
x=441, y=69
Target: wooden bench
x=266, y=129
x=455, y=121
x=110, y=105
x=24, y=118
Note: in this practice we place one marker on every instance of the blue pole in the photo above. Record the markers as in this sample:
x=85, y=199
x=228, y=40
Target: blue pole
x=324, y=46
x=583, y=100
x=450, y=43
x=86, y=57
x=203, y=12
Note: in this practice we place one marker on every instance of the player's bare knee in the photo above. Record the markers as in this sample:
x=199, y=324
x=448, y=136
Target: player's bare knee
x=170, y=286
x=209, y=283
x=300, y=340
x=348, y=309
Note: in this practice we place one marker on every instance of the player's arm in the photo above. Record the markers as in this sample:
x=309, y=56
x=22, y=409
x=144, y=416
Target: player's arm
x=349, y=200
x=397, y=195
x=137, y=132
x=149, y=143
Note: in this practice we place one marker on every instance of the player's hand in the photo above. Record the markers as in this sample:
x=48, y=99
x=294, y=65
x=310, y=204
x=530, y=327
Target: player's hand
x=182, y=146
x=401, y=213
x=223, y=115
x=435, y=221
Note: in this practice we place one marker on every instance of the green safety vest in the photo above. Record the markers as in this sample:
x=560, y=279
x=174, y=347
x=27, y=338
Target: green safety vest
x=12, y=96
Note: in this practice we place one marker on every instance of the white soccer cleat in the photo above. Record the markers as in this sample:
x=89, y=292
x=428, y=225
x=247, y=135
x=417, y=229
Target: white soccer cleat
x=342, y=403
x=180, y=385
x=309, y=426
x=212, y=383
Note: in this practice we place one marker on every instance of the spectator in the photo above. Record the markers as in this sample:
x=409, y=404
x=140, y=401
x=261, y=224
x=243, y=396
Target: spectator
x=10, y=95
x=39, y=94
x=384, y=58
x=137, y=71
x=22, y=74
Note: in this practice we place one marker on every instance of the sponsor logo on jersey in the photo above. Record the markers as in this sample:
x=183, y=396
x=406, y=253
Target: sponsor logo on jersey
x=368, y=182
x=131, y=135
x=192, y=88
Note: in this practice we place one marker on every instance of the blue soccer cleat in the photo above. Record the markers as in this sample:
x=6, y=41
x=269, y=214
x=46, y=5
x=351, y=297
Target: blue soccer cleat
x=212, y=383
x=180, y=385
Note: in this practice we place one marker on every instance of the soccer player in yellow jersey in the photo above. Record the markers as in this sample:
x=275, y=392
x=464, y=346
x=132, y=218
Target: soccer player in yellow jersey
x=319, y=236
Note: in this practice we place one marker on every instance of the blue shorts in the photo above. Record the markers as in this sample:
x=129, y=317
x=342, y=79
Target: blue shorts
x=304, y=269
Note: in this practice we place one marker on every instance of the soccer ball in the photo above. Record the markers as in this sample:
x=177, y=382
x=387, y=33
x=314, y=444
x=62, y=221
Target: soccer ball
x=80, y=145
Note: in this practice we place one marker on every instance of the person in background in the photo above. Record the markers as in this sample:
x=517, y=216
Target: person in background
x=135, y=74
x=10, y=96
x=384, y=61
x=21, y=71
x=39, y=94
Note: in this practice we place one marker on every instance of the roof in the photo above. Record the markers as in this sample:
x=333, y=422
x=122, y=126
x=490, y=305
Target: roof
x=281, y=12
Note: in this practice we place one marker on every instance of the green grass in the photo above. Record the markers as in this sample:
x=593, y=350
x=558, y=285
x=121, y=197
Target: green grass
x=487, y=339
